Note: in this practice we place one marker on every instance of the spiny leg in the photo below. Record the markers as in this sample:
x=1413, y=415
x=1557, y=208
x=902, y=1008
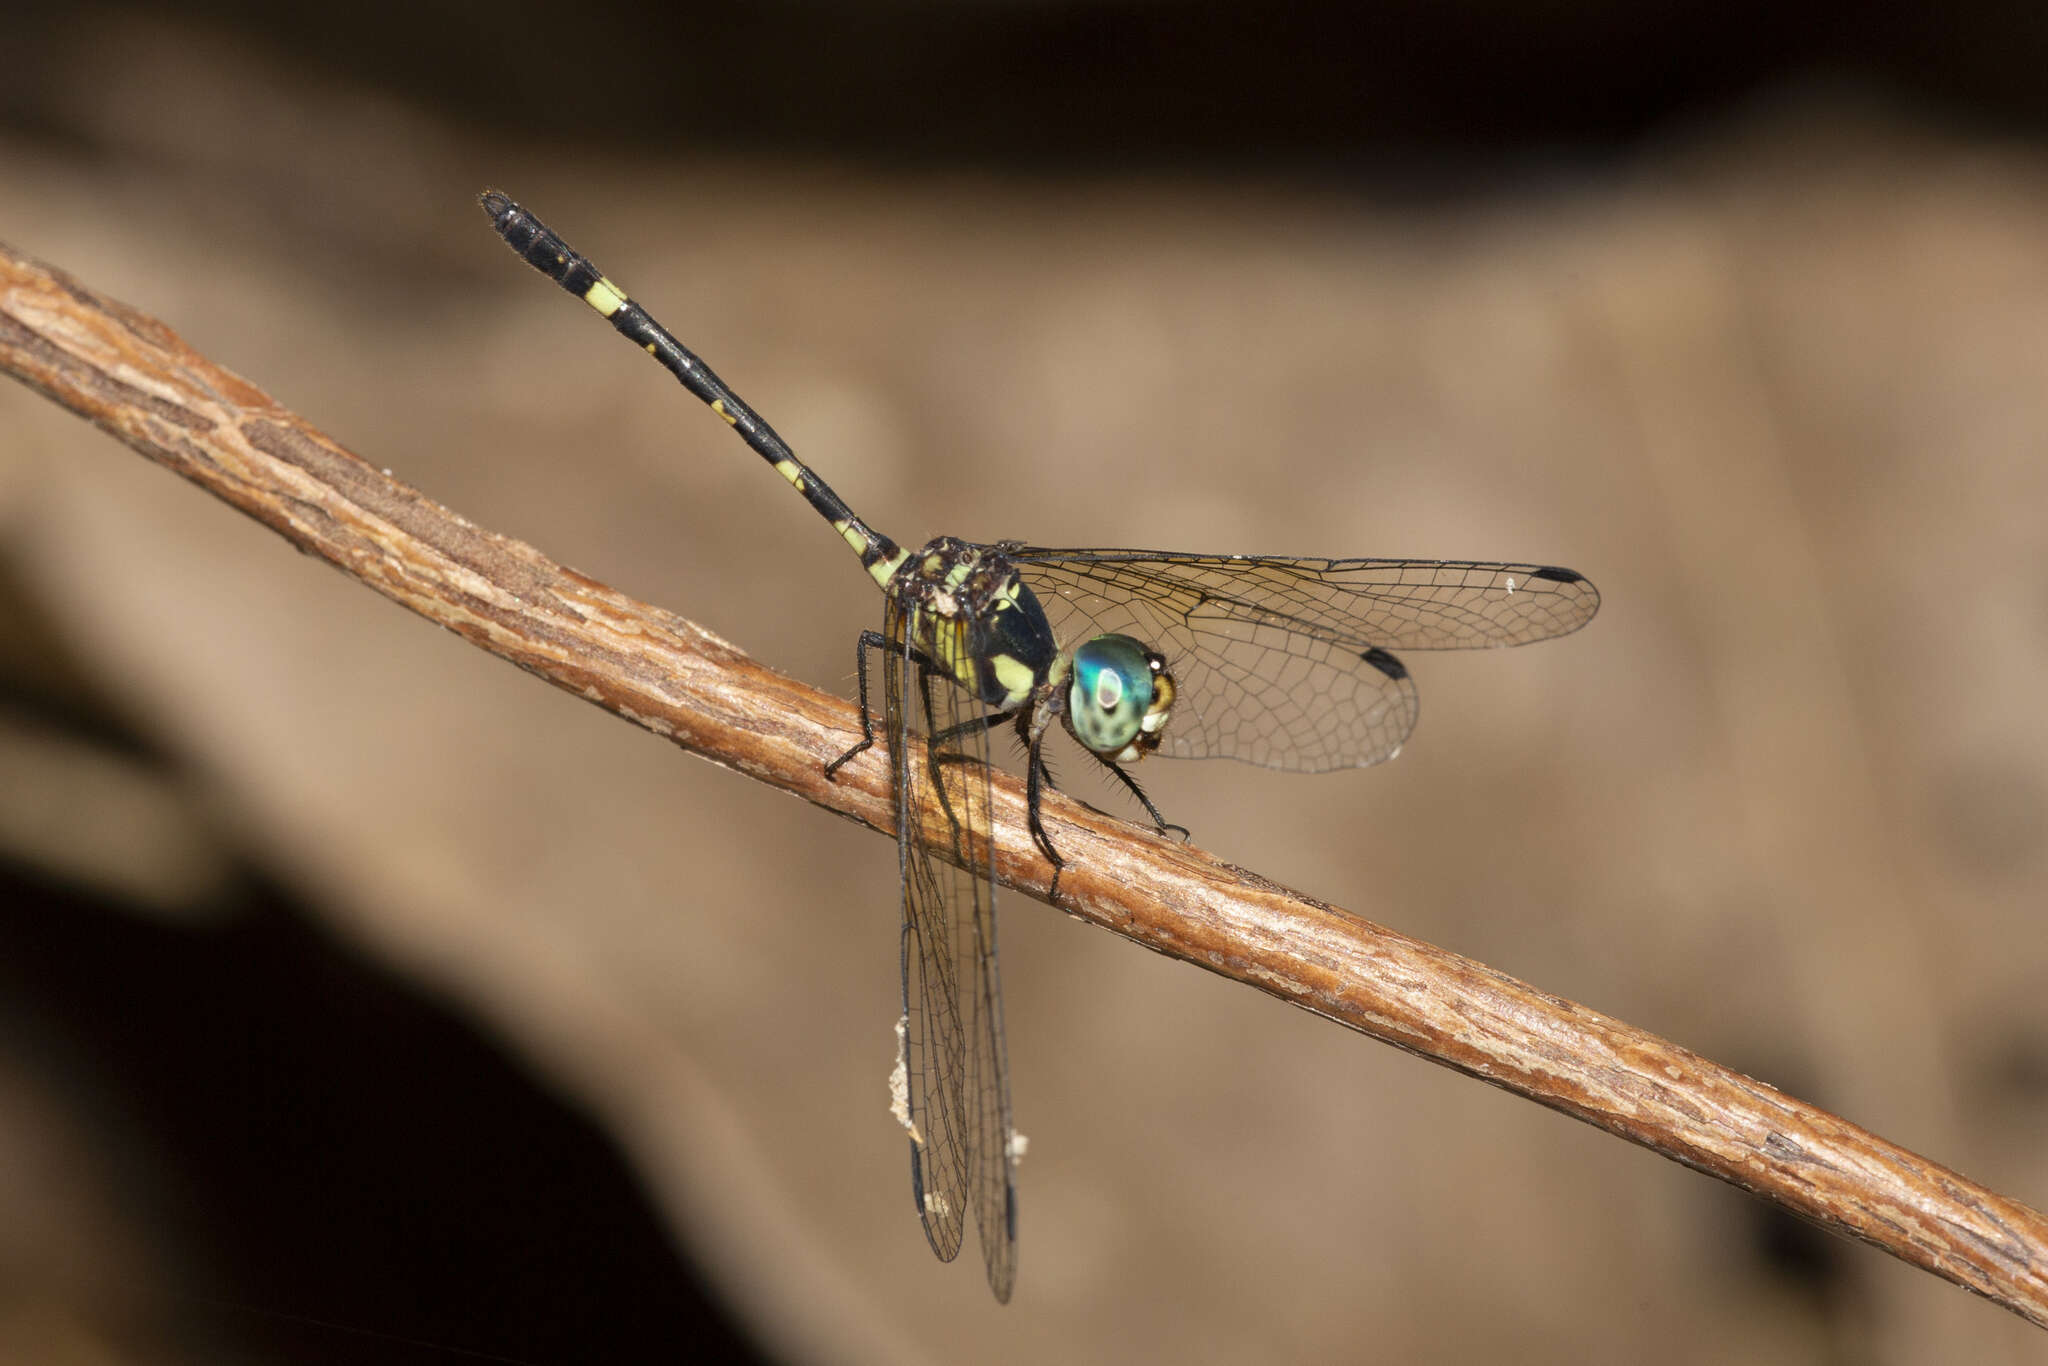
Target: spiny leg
x=927, y=669
x=933, y=755
x=988, y=722
x=1037, y=780
x=871, y=640
x=1159, y=822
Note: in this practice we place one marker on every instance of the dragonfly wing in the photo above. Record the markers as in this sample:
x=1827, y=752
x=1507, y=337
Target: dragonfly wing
x=962, y=1155
x=1286, y=662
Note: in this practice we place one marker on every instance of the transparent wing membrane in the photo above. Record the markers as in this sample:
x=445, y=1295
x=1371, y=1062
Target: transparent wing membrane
x=961, y=1154
x=1283, y=662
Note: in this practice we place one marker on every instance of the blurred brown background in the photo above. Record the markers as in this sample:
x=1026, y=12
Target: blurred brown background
x=362, y=999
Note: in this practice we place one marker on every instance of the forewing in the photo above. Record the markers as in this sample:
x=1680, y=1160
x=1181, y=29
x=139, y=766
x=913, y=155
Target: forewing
x=1285, y=662
x=959, y=1089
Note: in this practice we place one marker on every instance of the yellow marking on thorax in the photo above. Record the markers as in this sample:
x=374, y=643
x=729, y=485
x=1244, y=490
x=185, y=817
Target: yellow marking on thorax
x=1016, y=678
x=945, y=640
x=604, y=296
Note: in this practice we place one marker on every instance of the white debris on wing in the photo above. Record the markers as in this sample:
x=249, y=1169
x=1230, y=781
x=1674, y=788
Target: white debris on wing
x=899, y=1082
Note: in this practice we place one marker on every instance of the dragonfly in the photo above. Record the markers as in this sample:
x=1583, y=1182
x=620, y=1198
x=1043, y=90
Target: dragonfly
x=1283, y=662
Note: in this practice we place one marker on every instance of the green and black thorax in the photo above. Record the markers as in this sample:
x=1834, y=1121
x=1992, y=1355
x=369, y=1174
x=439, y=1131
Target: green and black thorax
x=970, y=615
x=976, y=620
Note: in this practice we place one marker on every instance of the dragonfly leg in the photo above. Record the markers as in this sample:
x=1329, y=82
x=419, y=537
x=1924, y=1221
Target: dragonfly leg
x=932, y=743
x=1037, y=781
x=933, y=756
x=1131, y=784
x=989, y=722
x=870, y=640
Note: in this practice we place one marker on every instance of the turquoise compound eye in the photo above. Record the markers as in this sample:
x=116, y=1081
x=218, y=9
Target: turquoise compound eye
x=1111, y=693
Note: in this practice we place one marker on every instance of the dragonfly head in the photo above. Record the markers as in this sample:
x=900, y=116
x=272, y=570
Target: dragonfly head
x=1118, y=698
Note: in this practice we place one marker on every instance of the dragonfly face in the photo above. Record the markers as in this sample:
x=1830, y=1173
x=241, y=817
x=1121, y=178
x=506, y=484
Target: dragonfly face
x=1119, y=698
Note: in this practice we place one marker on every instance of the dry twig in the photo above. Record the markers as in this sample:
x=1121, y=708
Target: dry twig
x=135, y=378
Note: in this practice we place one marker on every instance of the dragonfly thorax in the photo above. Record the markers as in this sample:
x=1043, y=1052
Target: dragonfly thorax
x=966, y=609
x=1119, y=697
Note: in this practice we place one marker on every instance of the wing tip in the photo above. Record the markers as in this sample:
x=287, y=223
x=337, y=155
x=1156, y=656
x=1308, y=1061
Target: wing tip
x=1583, y=596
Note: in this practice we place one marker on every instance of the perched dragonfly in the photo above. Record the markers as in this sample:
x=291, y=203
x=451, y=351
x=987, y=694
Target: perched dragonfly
x=1278, y=661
